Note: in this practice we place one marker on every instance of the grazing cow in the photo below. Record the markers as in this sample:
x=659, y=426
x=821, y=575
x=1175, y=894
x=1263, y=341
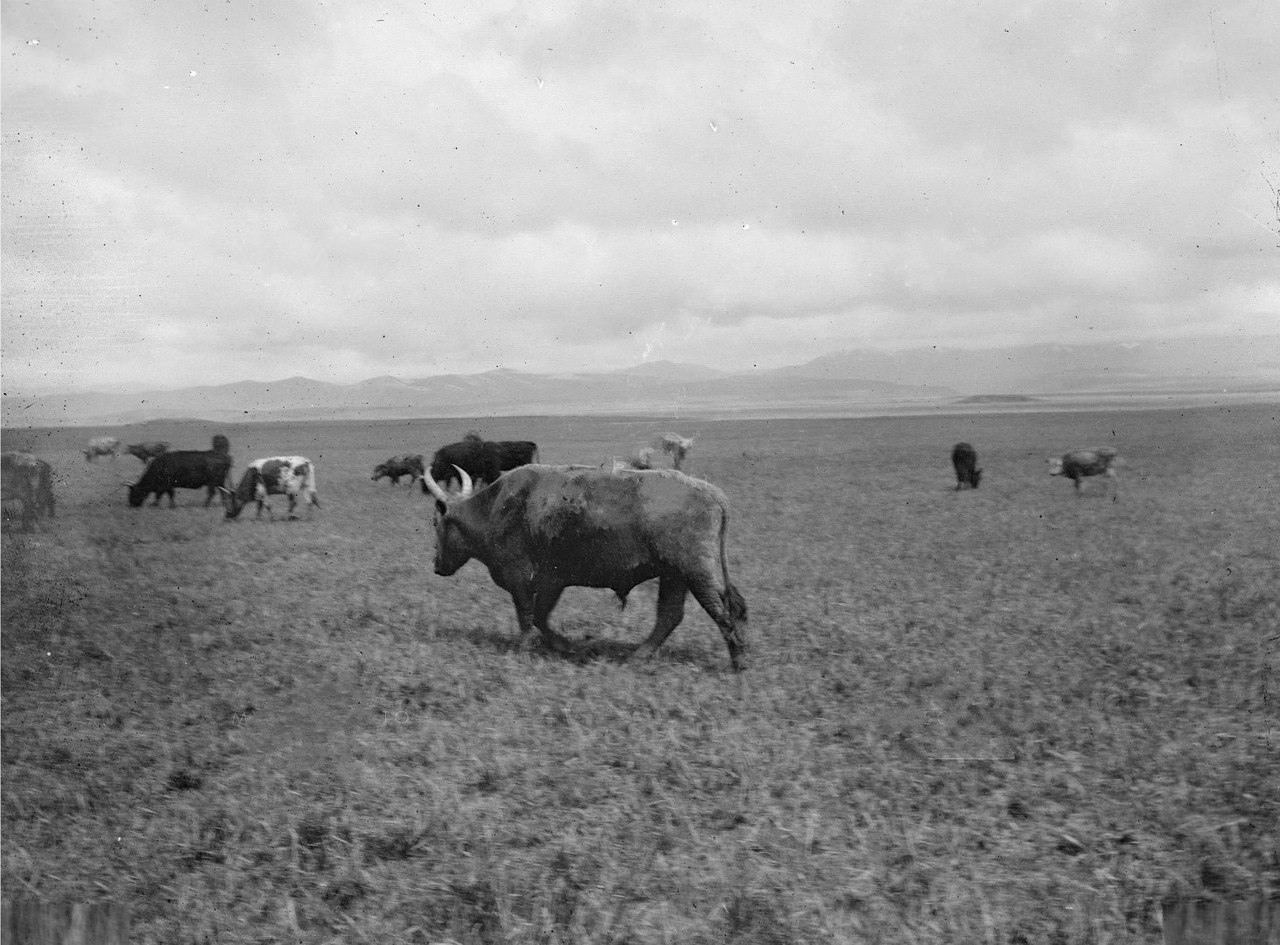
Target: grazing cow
x=147, y=451
x=221, y=444
x=397, y=466
x=102, y=446
x=965, y=460
x=541, y=529
x=181, y=469
x=642, y=460
x=292, y=476
x=483, y=460
x=28, y=485
x=1079, y=464
x=678, y=446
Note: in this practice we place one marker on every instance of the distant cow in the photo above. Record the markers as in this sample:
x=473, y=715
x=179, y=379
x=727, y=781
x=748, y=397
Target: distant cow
x=678, y=446
x=27, y=487
x=292, y=476
x=541, y=529
x=642, y=460
x=181, y=469
x=483, y=460
x=1079, y=464
x=397, y=466
x=147, y=451
x=221, y=444
x=965, y=460
x=102, y=446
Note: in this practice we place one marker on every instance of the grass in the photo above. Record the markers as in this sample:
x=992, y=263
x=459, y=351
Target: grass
x=1008, y=716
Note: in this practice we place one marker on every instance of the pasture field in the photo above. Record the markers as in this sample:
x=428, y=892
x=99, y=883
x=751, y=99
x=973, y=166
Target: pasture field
x=1015, y=715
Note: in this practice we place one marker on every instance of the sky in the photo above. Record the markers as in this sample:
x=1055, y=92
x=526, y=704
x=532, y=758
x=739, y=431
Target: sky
x=203, y=193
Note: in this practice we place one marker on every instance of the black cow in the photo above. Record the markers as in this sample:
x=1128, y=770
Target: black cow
x=147, y=451
x=181, y=469
x=484, y=460
x=28, y=485
x=965, y=460
x=1077, y=465
x=397, y=466
x=541, y=529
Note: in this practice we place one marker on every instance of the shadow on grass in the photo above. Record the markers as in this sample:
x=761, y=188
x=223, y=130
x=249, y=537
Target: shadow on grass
x=581, y=651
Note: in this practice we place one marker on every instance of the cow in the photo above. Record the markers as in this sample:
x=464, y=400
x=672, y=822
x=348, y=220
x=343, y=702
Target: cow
x=181, y=469
x=28, y=484
x=102, y=446
x=397, y=466
x=678, y=446
x=541, y=529
x=292, y=476
x=483, y=460
x=965, y=460
x=1076, y=465
x=147, y=451
x=642, y=460
x=221, y=444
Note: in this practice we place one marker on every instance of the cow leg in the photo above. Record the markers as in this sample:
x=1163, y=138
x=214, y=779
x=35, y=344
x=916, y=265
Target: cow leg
x=213, y=490
x=524, y=600
x=729, y=611
x=172, y=498
x=544, y=601
x=672, y=591
x=293, y=505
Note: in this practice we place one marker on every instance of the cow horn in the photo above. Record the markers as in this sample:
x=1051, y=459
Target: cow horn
x=434, y=488
x=467, y=485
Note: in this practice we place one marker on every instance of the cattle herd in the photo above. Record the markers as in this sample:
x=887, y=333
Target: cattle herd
x=538, y=529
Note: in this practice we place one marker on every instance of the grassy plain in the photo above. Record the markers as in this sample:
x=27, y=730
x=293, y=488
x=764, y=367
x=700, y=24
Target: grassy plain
x=1015, y=715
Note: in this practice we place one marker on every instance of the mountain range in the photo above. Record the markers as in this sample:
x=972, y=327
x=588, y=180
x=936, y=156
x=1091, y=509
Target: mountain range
x=840, y=381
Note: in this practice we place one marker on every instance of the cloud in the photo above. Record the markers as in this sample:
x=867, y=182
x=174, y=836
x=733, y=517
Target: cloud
x=405, y=189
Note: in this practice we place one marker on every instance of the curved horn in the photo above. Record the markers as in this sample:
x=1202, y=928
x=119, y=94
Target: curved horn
x=467, y=485
x=433, y=487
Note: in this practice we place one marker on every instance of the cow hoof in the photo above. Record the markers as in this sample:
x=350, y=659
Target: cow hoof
x=642, y=652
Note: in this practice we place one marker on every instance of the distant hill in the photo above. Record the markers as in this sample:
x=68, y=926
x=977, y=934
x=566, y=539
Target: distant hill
x=841, y=381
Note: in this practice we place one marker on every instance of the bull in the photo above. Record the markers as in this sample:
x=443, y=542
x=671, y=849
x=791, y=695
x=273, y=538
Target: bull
x=483, y=460
x=541, y=529
x=964, y=458
x=181, y=469
x=1078, y=465
x=102, y=446
x=678, y=446
x=147, y=451
x=27, y=484
x=290, y=476
x=397, y=466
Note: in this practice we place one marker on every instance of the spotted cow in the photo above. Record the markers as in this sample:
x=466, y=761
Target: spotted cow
x=292, y=476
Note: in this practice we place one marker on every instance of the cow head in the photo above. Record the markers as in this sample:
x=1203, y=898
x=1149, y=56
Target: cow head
x=975, y=478
x=137, y=494
x=452, y=548
x=231, y=502
x=1055, y=466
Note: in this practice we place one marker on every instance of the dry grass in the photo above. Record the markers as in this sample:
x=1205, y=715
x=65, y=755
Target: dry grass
x=1007, y=716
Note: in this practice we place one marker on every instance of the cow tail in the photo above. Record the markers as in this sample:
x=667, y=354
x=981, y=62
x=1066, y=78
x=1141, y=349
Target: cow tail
x=734, y=602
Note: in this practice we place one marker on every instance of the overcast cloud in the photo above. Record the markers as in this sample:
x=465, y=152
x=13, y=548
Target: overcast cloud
x=205, y=193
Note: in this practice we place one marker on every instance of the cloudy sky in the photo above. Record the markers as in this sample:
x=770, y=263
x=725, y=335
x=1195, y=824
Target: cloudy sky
x=209, y=192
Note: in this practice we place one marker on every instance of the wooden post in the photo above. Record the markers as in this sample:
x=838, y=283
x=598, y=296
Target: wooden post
x=1256, y=922
x=31, y=922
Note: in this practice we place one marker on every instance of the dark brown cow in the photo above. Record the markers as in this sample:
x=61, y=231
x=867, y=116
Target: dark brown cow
x=1077, y=465
x=147, y=451
x=412, y=466
x=541, y=529
x=964, y=458
x=27, y=487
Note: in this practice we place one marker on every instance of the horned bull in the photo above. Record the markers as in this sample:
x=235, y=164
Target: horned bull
x=541, y=529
